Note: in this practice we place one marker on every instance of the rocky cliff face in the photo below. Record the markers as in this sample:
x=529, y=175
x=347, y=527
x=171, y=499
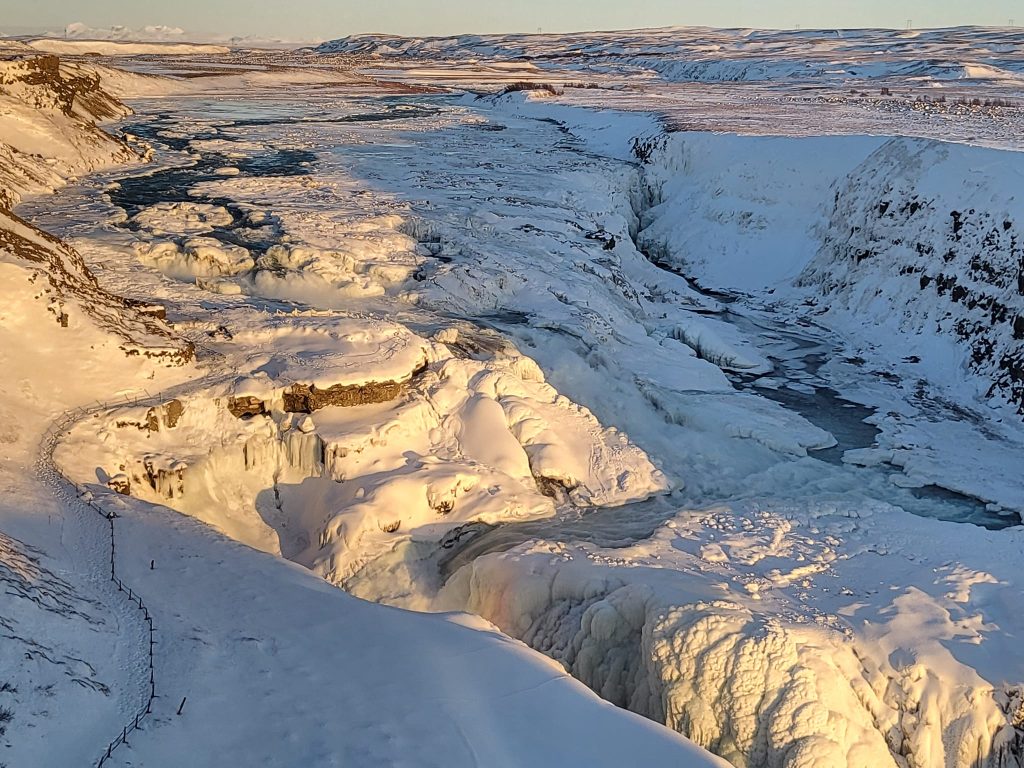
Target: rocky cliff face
x=48, y=133
x=47, y=84
x=928, y=238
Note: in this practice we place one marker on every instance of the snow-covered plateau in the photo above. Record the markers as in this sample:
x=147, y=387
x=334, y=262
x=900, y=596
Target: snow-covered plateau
x=647, y=398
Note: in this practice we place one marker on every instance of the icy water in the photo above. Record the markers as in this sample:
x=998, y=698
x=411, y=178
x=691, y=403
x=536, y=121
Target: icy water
x=798, y=382
x=799, y=364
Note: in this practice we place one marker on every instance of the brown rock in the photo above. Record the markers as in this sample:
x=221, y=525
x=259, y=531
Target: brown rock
x=120, y=484
x=166, y=415
x=244, y=407
x=305, y=398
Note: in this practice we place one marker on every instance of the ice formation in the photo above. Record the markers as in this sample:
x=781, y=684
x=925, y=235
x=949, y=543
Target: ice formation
x=351, y=437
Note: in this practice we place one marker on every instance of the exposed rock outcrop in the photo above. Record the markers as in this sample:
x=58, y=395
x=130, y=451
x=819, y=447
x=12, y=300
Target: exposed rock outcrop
x=245, y=407
x=918, y=237
x=158, y=417
x=305, y=398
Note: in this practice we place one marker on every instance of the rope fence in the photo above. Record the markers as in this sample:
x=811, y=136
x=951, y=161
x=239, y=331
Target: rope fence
x=83, y=495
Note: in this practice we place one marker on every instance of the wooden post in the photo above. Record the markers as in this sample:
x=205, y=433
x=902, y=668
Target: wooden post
x=182, y=705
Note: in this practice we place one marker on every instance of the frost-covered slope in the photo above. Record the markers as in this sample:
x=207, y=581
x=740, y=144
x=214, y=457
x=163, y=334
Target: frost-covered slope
x=924, y=239
x=70, y=646
x=279, y=668
x=48, y=133
x=48, y=127
x=47, y=280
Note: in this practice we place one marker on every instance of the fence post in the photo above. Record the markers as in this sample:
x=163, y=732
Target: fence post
x=111, y=519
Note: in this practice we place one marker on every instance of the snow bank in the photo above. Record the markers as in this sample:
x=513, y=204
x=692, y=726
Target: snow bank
x=46, y=613
x=720, y=343
x=123, y=84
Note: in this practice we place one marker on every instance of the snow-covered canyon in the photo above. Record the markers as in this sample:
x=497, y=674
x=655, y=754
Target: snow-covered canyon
x=726, y=425
x=265, y=685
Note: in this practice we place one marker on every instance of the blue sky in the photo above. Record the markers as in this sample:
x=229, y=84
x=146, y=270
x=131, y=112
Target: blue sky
x=321, y=19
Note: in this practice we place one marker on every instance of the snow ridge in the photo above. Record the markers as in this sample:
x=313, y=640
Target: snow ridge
x=697, y=54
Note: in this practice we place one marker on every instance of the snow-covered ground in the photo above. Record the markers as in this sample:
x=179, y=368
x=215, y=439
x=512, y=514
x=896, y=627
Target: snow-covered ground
x=121, y=48
x=726, y=424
